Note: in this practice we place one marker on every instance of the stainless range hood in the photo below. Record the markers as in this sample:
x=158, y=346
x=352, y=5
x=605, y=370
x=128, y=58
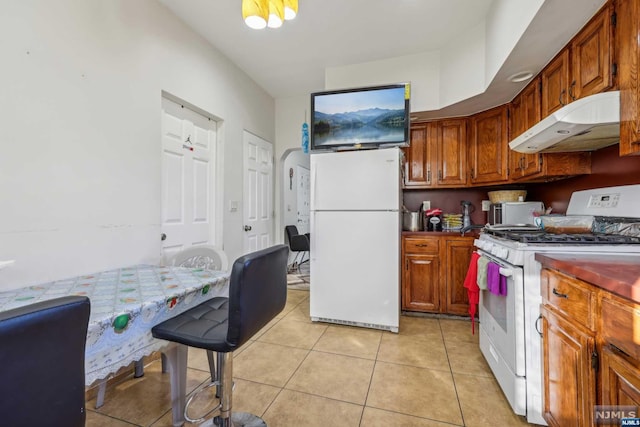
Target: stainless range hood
x=587, y=124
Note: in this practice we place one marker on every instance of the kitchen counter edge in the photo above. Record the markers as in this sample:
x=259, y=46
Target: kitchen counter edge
x=619, y=274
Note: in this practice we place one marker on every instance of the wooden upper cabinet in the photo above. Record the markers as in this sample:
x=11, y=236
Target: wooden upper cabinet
x=418, y=157
x=525, y=112
x=555, y=84
x=584, y=67
x=591, y=56
x=628, y=37
x=451, y=157
x=437, y=155
x=488, y=147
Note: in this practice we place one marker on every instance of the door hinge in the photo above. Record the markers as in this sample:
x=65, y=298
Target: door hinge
x=614, y=69
x=406, y=262
x=614, y=19
x=594, y=360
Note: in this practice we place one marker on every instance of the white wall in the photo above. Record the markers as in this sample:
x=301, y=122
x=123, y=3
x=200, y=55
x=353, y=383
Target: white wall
x=290, y=115
x=506, y=21
x=462, y=66
x=80, y=119
x=422, y=71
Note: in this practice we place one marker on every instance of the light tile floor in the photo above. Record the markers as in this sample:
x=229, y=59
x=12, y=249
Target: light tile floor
x=296, y=373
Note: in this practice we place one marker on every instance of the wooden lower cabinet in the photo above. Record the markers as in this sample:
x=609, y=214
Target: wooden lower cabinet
x=420, y=282
x=434, y=269
x=620, y=380
x=590, y=351
x=569, y=379
x=458, y=254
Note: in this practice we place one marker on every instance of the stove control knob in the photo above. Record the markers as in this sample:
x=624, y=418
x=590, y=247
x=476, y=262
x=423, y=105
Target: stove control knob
x=504, y=253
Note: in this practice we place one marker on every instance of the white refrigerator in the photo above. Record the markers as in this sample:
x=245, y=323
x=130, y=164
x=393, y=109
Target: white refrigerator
x=355, y=238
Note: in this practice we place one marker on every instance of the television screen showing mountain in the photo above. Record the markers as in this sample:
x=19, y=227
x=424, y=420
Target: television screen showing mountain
x=360, y=117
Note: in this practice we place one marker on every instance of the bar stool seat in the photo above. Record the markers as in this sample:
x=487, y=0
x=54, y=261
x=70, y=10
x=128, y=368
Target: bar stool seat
x=257, y=293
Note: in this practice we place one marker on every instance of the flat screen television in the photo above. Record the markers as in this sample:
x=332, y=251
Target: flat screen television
x=367, y=117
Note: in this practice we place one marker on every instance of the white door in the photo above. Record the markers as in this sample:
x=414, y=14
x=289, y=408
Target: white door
x=188, y=175
x=258, y=193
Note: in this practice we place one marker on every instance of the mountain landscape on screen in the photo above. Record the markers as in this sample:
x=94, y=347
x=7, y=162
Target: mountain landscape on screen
x=352, y=119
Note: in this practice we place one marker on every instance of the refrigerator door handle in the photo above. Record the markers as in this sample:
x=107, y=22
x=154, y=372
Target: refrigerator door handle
x=312, y=246
x=314, y=187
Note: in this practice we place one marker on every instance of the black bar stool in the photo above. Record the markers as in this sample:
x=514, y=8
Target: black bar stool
x=257, y=293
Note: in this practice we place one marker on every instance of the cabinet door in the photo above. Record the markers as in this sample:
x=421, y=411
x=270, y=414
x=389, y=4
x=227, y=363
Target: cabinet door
x=451, y=152
x=489, y=148
x=555, y=84
x=628, y=37
x=420, y=284
x=526, y=114
x=620, y=380
x=569, y=378
x=418, y=157
x=591, y=57
x=458, y=255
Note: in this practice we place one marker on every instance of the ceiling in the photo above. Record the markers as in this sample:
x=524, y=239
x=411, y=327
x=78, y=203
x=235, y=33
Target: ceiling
x=291, y=61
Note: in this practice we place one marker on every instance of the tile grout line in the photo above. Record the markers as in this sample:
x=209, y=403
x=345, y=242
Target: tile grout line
x=453, y=378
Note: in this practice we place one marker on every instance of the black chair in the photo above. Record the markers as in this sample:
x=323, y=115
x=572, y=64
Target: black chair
x=299, y=243
x=257, y=293
x=42, y=363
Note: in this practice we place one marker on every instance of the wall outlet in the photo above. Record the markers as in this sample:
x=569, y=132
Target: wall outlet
x=486, y=205
x=426, y=205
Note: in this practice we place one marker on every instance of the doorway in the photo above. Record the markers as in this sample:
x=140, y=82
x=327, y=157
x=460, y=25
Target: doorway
x=295, y=191
x=258, y=193
x=189, y=179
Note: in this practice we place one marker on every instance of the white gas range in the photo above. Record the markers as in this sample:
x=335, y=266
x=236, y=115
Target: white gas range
x=509, y=338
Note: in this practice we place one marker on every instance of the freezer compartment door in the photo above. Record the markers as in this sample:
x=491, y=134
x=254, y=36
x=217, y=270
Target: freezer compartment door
x=356, y=180
x=355, y=259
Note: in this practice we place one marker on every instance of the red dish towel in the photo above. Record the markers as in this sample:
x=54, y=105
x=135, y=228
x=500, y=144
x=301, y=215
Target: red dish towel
x=473, y=291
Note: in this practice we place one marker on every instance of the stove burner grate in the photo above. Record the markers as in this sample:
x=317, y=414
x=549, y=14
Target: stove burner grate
x=582, y=239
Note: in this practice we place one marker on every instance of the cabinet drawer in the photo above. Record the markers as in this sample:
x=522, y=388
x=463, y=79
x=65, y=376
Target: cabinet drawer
x=621, y=325
x=421, y=245
x=569, y=296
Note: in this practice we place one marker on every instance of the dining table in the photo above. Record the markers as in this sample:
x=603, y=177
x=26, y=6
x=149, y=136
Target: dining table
x=125, y=304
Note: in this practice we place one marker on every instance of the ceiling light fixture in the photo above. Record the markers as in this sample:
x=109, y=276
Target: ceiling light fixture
x=255, y=13
x=290, y=9
x=521, y=76
x=258, y=14
x=276, y=13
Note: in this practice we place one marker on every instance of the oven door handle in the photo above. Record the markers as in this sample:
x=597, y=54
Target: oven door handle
x=537, y=327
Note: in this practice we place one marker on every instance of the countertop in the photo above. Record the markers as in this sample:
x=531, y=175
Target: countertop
x=619, y=274
x=471, y=233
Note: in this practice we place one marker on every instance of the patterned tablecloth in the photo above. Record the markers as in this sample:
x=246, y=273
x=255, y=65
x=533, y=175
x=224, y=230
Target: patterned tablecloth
x=125, y=304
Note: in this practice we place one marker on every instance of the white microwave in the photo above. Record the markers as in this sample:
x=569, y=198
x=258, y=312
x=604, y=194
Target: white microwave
x=514, y=213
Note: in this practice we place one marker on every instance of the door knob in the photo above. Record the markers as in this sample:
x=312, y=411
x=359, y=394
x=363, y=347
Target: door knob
x=163, y=237
x=247, y=228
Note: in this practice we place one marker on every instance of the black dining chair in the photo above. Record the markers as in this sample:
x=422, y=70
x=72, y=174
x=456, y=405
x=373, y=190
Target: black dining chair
x=299, y=243
x=257, y=293
x=42, y=363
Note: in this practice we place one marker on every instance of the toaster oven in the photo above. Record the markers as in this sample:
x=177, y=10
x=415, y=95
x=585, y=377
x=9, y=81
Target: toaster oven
x=514, y=213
